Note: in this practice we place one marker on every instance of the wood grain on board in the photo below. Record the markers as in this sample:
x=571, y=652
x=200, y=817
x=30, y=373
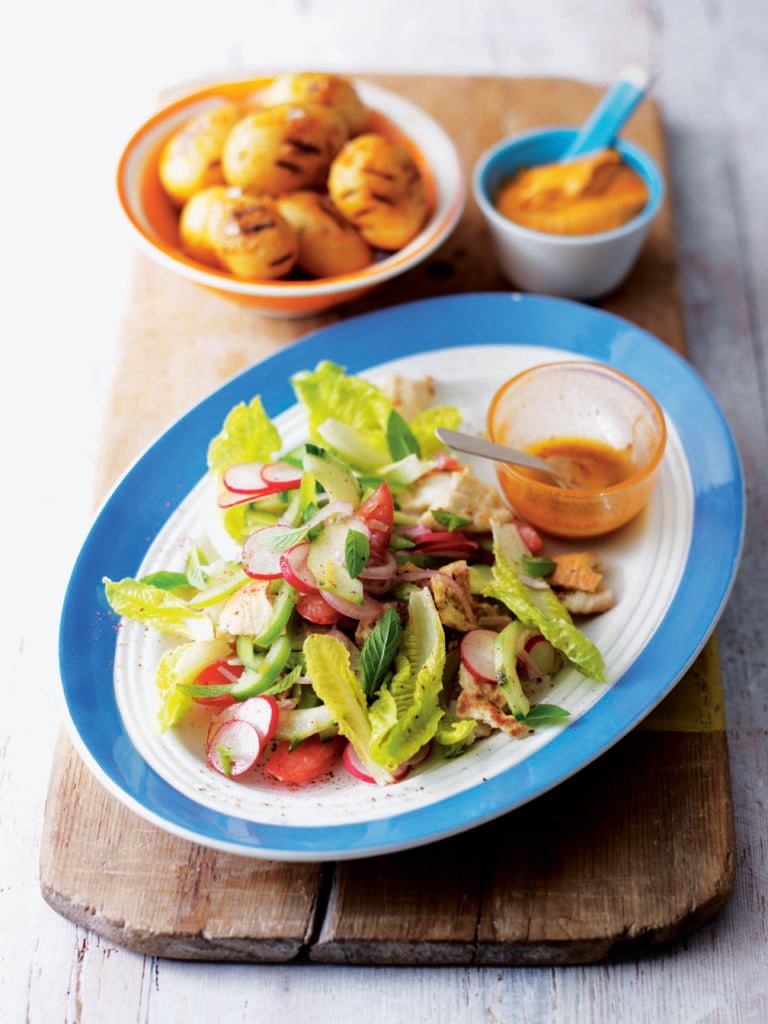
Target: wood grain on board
x=636, y=848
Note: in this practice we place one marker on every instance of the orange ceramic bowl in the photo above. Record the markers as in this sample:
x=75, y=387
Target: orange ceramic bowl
x=602, y=411
x=155, y=221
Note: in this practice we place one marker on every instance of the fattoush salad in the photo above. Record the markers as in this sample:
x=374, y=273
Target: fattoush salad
x=386, y=606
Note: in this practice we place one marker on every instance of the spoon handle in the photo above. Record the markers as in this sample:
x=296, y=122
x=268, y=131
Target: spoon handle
x=472, y=445
x=607, y=119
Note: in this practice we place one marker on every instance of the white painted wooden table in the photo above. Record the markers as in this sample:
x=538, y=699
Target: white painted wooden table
x=77, y=78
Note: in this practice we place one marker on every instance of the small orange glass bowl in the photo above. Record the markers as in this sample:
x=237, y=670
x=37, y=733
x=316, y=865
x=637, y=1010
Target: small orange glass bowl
x=155, y=222
x=578, y=405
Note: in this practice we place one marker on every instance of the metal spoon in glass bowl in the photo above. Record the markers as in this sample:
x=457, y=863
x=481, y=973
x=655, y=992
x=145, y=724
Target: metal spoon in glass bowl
x=472, y=445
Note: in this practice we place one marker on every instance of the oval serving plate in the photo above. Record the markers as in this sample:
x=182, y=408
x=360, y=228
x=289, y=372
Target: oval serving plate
x=670, y=591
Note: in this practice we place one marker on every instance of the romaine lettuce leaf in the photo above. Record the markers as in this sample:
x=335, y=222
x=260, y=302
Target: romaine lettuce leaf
x=247, y=435
x=158, y=608
x=329, y=394
x=180, y=666
x=337, y=686
x=407, y=711
x=424, y=423
x=538, y=607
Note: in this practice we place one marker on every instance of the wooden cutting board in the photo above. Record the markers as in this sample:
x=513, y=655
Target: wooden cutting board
x=637, y=848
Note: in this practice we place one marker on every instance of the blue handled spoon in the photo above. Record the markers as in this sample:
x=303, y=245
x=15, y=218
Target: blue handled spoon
x=607, y=119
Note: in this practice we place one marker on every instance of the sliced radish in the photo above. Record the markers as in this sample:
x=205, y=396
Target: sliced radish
x=229, y=499
x=259, y=560
x=367, y=611
x=244, y=477
x=282, y=473
x=539, y=658
x=261, y=712
x=354, y=764
x=477, y=653
x=235, y=747
x=293, y=564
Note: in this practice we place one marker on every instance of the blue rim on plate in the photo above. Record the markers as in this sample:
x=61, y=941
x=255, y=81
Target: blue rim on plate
x=156, y=483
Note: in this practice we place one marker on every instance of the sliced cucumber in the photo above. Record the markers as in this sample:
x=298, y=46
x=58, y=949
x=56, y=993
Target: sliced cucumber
x=333, y=475
x=327, y=563
x=505, y=661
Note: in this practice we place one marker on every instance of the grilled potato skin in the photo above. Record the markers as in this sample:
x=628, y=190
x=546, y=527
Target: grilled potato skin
x=199, y=223
x=325, y=89
x=378, y=187
x=328, y=244
x=283, y=148
x=191, y=159
x=252, y=240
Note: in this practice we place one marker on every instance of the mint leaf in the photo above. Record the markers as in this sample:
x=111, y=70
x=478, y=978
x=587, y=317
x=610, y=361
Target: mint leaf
x=357, y=550
x=449, y=520
x=538, y=566
x=166, y=580
x=379, y=650
x=401, y=440
x=541, y=715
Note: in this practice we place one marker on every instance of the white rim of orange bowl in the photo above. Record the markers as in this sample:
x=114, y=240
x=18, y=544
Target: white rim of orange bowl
x=449, y=176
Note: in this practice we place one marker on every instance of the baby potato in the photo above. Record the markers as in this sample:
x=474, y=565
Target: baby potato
x=199, y=222
x=191, y=159
x=252, y=240
x=283, y=148
x=317, y=87
x=328, y=244
x=378, y=188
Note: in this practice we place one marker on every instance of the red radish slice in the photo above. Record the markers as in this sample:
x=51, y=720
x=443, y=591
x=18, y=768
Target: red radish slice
x=282, y=473
x=261, y=712
x=354, y=765
x=365, y=612
x=539, y=658
x=293, y=564
x=229, y=499
x=259, y=560
x=477, y=654
x=244, y=477
x=235, y=747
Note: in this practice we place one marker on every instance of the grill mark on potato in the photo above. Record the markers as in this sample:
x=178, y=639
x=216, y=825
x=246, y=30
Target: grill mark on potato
x=287, y=257
x=384, y=200
x=376, y=173
x=304, y=147
x=292, y=168
x=246, y=223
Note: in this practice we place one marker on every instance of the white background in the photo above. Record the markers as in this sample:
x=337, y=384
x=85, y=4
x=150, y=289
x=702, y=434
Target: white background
x=77, y=78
